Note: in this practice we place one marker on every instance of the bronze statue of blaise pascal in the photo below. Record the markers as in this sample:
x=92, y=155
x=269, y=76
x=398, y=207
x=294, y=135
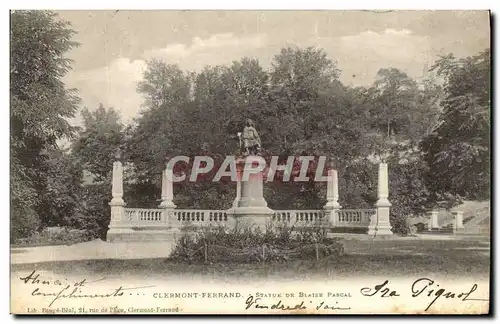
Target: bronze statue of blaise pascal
x=251, y=139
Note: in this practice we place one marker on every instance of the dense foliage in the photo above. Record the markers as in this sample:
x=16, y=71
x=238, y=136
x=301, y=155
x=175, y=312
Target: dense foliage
x=39, y=107
x=301, y=108
x=433, y=134
x=458, y=150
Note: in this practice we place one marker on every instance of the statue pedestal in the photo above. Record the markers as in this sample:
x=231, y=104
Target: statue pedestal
x=251, y=209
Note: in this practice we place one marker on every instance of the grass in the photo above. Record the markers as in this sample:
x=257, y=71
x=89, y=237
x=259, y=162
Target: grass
x=467, y=257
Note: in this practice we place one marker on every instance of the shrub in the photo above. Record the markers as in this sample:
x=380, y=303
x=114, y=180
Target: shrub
x=399, y=223
x=55, y=236
x=93, y=214
x=24, y=222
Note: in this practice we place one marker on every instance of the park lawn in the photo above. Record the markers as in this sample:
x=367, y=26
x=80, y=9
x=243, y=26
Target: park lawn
x=467, y=257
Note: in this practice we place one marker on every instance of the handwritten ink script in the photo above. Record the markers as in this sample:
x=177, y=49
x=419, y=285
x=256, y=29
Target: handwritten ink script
x=63, y=289
x=427, y=293
x=260, y=303
x=423, y=288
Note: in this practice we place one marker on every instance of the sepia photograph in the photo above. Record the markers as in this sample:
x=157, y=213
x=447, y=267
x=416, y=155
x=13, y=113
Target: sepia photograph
x=250, y=162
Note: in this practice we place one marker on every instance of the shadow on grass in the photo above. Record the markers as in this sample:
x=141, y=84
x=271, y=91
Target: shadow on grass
x=15, y=251
x=353, y=265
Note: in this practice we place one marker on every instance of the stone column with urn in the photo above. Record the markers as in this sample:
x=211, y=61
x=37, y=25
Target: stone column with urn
x=332, y=197
x=238, y=189
x=380, y=224
x=117, y=224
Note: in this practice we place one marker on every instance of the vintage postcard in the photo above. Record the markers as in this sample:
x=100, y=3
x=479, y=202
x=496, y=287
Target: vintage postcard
x=250, y=162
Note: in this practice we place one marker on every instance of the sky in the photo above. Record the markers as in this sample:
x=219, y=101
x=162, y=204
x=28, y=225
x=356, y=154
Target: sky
x=116, y=45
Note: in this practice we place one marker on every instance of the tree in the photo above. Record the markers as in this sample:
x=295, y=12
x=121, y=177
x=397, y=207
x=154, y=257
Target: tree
x=23, y=199
x=426, y=118
x=301, y=81
x=95, y=151
x=99, y=141
x=457, y=151
x=394, y=101
x=409, y=194
x=161, y=127
x=209, y=109
x=40, y=104
x=60, y=195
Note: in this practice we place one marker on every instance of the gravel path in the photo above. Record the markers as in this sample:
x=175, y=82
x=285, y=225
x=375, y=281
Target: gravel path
x=97, y=249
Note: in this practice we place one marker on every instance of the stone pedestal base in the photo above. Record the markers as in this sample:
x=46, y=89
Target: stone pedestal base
x=116, y=227
x=250, y=209
x=167, y=204
x=433, y=220
x=380, y=230
x=331, y=213
x=167, y=216
x=332, y=205
x=380, y=224
x=458, y=221
x=253, y=217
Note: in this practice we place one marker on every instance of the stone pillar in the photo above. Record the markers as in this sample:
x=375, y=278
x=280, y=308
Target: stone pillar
x=252, y=189
x=167, y=196
x=380, y=222
x=332, y=197
x=167, y=189
x=117, y=223
x=433, y=219
x=251, y=208
x=117, y=185
x=458, y=217
x=238, y=190
x=231, y=211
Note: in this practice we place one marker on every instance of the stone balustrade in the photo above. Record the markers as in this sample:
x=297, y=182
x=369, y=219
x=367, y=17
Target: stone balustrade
x=201, y=217
x=144, y=216
x=354, y=217
x=299, y=216
x=343, y=217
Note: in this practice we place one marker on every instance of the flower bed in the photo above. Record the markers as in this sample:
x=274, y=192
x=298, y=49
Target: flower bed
x=249, y=246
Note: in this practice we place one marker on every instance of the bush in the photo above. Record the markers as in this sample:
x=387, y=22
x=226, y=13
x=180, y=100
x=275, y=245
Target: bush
x=93, y=215
x=55, y=236
x=24, y=222
x=249, y=245
x=400, y=225
x=408, y=193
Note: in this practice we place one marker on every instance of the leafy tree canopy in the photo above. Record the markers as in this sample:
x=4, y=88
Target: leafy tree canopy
x=457, y=151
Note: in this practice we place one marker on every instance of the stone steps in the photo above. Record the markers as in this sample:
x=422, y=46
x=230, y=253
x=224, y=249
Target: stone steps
x=443, y=231
x=480, y=230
